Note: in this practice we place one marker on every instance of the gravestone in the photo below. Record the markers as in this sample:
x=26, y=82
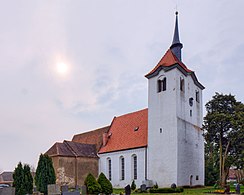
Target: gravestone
x=53, y=189
x=238, y=189
x=7, y=191
x=64, y=188
x=127, y=190
x=227, y=189
x=173, y=185
x=83, y=190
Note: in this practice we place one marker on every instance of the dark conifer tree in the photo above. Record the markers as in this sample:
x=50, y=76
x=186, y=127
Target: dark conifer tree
x=45, y=173
x=28, y=180
x=18, y=177
x=23, y=181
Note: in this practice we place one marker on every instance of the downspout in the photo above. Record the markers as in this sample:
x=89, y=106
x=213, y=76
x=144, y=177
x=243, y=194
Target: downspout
x=146, y=163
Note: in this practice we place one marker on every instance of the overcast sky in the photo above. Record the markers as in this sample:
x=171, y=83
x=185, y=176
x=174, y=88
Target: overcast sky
x=108, y=47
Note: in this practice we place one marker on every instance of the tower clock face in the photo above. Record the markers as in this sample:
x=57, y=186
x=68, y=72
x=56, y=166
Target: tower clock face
x=191, y=101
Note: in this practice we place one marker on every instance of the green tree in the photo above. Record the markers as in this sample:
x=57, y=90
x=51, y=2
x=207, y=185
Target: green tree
x=238, y=143
x=211, y=167
x=18, y=177
x=93, y=187
x=106, y=185
x=45, y=173
x=23, y=181
x=28, y=180
x=222, y=132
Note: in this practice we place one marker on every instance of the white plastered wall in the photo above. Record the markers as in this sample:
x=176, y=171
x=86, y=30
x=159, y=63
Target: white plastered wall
x=162, y=144
x=190, y=138
x=115, y=161
x=177, y=152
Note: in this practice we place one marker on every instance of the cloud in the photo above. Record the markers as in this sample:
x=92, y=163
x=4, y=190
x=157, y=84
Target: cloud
x=109, y=47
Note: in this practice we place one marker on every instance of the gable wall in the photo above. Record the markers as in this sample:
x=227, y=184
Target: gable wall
x=65, y=169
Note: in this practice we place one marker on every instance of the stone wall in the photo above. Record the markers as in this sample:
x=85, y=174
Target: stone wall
x=70, y=169
x=7, y=191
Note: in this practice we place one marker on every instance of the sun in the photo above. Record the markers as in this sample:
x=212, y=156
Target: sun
x=62, y=68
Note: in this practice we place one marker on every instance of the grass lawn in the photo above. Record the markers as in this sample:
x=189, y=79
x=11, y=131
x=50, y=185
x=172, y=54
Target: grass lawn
x=195, y=191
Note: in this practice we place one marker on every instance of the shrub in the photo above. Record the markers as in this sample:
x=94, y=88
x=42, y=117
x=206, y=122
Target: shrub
x=166, y=190
x=93, y=187
x=133, y=185
x=155, y=186
x=106, y=185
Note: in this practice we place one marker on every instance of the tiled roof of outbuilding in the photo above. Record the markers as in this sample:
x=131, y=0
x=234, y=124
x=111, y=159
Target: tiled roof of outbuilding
x=72, y=149
x=6, y=176
x=91, y=137
x=127, y=132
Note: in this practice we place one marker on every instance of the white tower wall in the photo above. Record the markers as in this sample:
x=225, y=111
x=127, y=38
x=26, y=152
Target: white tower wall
x=162, y=134
x=190, y=139
x=175, y=153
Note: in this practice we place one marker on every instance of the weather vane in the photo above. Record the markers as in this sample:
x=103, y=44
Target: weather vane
x=176, y=6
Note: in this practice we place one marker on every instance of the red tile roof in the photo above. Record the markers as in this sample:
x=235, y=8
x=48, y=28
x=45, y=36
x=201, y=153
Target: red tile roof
x=169, y=59
x=127, y=131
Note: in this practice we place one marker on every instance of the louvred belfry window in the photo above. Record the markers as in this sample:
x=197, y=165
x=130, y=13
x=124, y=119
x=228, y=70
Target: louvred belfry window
x=161, y=84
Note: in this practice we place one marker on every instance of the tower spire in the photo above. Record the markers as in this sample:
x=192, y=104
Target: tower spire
x=176, y=44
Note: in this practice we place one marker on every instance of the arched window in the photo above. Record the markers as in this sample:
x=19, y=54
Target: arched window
x=182, y=84
x=161, y=83
x=122, y=168
x=197, y=96
x=109, y=165
x=134, y=166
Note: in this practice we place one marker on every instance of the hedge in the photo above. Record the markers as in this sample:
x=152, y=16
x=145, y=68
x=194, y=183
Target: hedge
x=166, y=190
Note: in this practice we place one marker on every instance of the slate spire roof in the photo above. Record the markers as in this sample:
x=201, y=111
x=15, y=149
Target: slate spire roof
x=176, y=44
x=172, y=59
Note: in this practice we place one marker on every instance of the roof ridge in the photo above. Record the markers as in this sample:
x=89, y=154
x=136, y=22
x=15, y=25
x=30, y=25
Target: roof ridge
x=91, y=130
x=169, y=59
x=131, y=112
x=70, y=147
x=57, y=148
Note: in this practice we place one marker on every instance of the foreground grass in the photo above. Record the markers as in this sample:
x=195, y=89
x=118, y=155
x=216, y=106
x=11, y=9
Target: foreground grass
x=195, y=191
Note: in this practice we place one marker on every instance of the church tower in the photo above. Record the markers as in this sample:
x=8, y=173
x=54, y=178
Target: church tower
x=175, y=140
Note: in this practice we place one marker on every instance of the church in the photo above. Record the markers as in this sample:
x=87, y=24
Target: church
x=161, y=144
